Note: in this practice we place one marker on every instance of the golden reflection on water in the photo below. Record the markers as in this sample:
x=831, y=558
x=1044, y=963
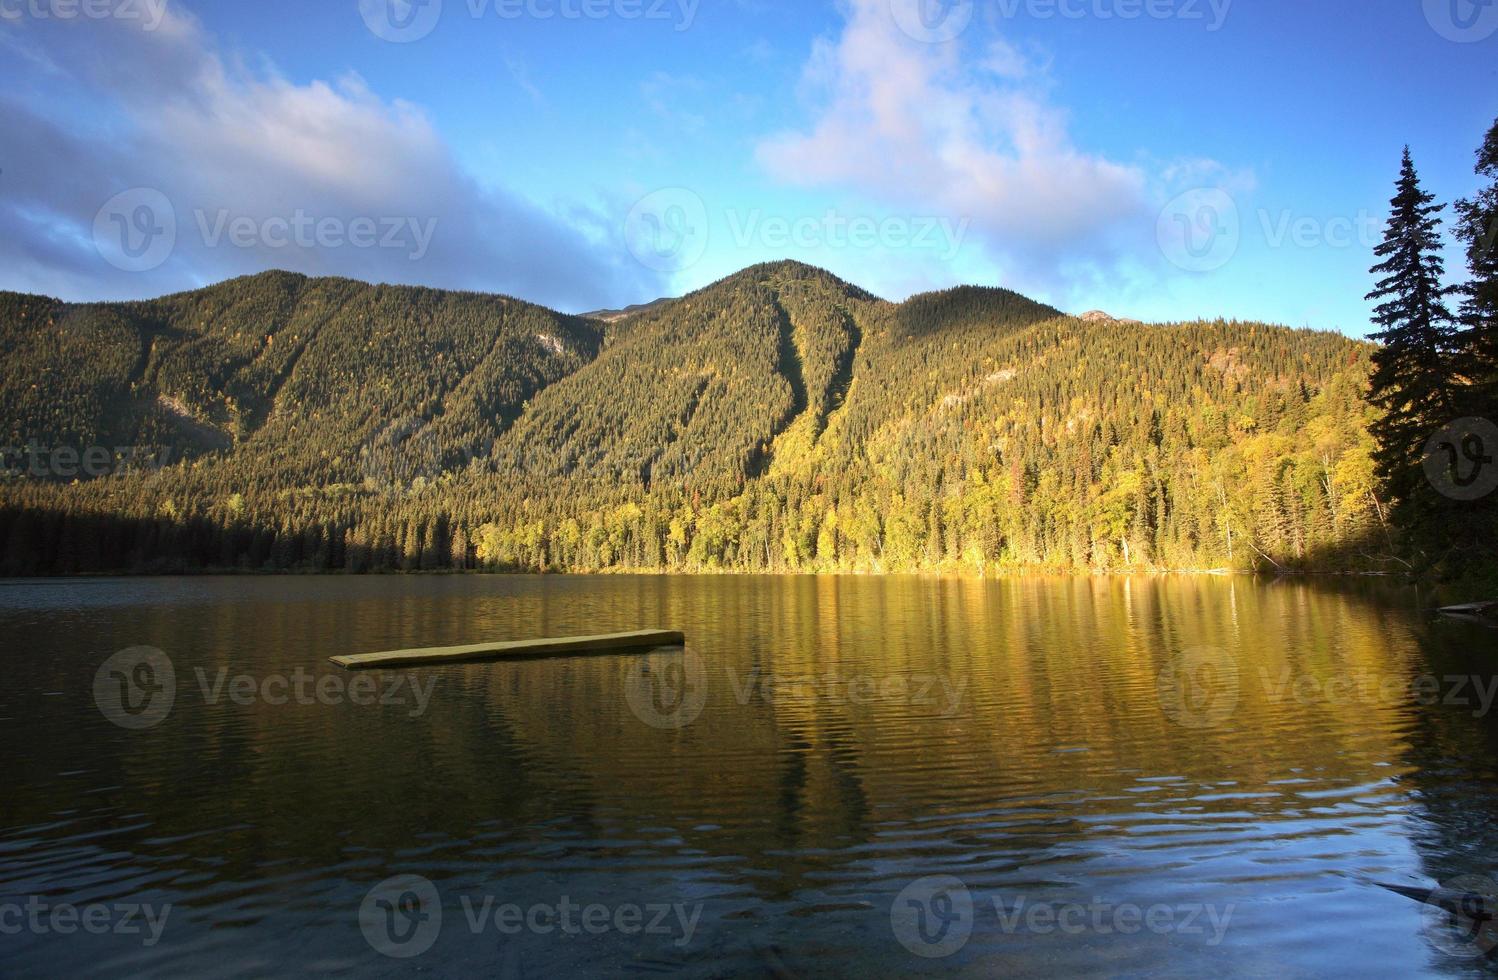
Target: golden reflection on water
x=1216, y=739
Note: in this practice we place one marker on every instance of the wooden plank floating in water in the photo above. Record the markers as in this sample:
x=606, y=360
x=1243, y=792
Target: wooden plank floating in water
x=515, y=650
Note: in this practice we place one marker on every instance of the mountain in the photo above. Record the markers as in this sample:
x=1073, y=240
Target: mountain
x=1102, y=316
x=780, y=419
x=613, y=316
x=254, y=365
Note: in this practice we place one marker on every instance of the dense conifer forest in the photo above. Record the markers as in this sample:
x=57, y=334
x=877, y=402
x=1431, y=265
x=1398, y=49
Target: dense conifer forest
x=779, y=420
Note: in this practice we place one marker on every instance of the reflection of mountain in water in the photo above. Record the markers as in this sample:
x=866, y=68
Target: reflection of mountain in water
x=1143, y=740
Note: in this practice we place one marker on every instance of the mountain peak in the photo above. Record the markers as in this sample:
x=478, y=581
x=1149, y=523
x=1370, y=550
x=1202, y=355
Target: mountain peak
x=614, y=316
x=792, y=269
x=1101, y=316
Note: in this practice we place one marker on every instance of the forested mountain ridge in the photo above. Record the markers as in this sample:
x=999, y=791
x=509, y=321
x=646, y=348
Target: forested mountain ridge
x=780, y=419
x=298, y=373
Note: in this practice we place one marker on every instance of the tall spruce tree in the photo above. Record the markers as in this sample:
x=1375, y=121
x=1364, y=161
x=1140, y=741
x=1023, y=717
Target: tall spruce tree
x=1412, y=372
x=1477, y=227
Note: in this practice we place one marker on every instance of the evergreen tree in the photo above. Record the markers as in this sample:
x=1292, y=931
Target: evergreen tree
x=780, y=420
x=1477, y=227
x=1412, y=379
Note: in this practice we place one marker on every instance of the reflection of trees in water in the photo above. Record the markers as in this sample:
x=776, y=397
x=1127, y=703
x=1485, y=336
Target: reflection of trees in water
x=542, y=764
x=1452, y=776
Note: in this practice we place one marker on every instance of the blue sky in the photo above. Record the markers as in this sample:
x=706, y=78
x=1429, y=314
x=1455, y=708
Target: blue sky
x=1163, y=159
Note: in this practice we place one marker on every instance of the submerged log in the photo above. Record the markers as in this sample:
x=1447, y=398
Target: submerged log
x=1484, y=612
x=515, y=650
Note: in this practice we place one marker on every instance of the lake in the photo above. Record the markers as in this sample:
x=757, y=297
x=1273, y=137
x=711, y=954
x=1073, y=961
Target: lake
x=875, y=776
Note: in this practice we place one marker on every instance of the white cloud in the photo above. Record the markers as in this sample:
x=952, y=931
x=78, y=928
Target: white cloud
x=167, y=109
x=917, y=127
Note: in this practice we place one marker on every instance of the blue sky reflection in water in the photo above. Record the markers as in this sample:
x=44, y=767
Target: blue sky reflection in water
x=1064, y=776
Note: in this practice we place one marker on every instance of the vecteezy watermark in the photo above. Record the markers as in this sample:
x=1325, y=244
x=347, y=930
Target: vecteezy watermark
x=400, y=21
x=668, y=689
x=939, y=21
x=71, y=462
x=400, y=455
x=1460, y=916
x=402, y=917
x=137, y=231
x=149, y=13
x=1286, y=229
x=935, y=917
x=306, y=231
x=405, y=455
x=568, y=918
x=944, y=235
x=939, y=692
x=1461, y=460
x=38, y=917
x=404, y=21
x=1101, y=917
x=1212, y=13
x=137, y=688
x=1201, y=230
x=1471, y=691
x=304, y=688
x=932, y=21
x=669, y=230
x=1199, y=687
x=1463, y=21
x=1203, y=687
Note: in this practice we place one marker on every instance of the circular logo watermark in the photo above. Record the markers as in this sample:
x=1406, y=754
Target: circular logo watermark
x=400, y=454
x=401, y=917
x=136, y=688
x=1463, y=21
x=933, y=21
x=668, y=230
x=1199, y=688
x=667, y=689
x=400, y=21
x=1461, y=460
x=1461, y=916
x=933, y=917
x=1200, y=230
x=136, y=230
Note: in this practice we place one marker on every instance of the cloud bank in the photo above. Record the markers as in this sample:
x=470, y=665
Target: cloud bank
x=919, y=127
x=246, y=158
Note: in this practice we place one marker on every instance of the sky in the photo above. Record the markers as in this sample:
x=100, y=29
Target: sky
x=1159, y=159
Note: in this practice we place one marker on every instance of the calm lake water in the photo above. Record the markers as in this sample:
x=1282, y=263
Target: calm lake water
x=1030, y=777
